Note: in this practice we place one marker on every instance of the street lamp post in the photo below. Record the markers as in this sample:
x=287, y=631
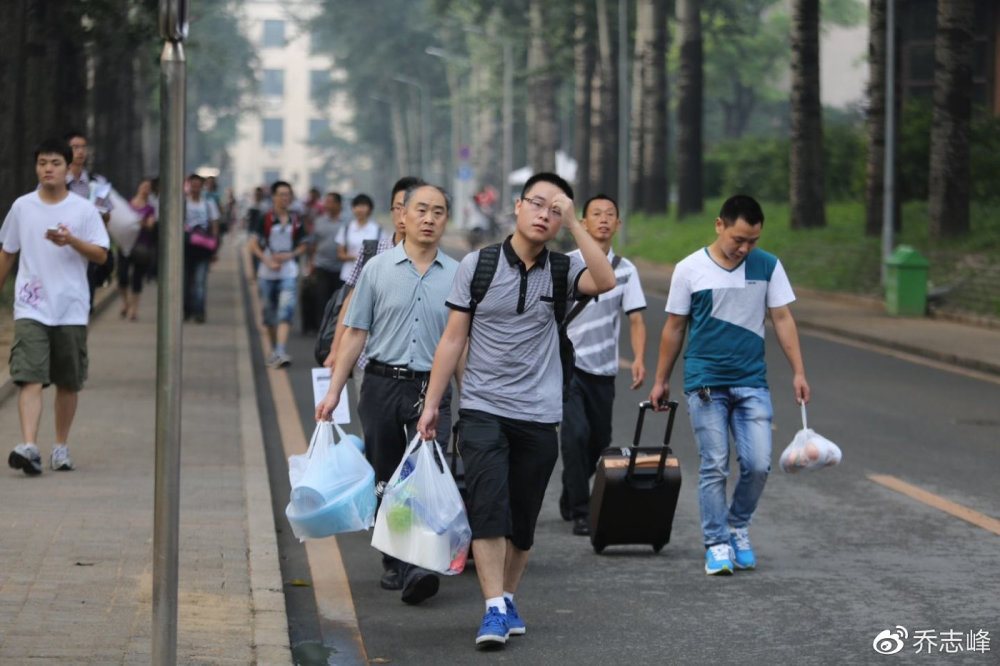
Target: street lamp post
x=425, y=132
x=170, y=290
x=457, y=164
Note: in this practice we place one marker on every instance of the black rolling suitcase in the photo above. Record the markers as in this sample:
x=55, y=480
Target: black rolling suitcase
x=635, y=491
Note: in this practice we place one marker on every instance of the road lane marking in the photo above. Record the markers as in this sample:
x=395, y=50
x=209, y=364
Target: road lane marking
x=930, y=499
x=331, y=586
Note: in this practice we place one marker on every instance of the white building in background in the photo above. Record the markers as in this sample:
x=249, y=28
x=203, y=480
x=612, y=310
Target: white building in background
x=275, y=143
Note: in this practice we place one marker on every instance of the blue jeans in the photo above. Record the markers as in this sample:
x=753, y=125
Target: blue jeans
x=278, y=299
x=195, y=284
x=746, y=413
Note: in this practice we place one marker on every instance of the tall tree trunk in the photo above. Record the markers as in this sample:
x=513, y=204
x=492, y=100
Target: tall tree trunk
x=542, y=108
x=487, y=157
x=604, y=141
x=690, y=92
x=949, y=171
x=402, y=150
x=583, y=74
x=875, y=168
x=12, y=165
x=650, y=121
x=806, y=154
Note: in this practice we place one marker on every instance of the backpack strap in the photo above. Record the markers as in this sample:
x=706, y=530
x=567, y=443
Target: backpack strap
x=368, y=250
x=559, y=265
x=486, y=267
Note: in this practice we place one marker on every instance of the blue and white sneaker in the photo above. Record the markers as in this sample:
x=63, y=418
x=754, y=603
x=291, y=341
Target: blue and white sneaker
x=718, y=560
x=743, y=556
x=494, y=631
x=514, y=622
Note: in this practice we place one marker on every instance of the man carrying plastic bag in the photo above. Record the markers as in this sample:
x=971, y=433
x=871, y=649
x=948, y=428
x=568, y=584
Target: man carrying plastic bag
x=397, y=315
x=422, y=518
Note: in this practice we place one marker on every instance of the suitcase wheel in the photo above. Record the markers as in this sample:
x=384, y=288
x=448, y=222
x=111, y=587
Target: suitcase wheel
x=598, y=547
x=657, y=547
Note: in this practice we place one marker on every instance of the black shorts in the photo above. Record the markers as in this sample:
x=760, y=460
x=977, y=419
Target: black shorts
x=508, y=463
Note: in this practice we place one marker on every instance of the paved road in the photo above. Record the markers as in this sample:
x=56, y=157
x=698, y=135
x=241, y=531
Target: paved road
x=841, y=557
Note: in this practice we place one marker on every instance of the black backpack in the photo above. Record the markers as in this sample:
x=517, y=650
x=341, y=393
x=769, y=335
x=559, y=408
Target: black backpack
x=486, y=267
x=328, y=325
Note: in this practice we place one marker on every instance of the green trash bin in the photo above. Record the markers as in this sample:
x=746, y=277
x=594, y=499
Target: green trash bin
x=906, y=282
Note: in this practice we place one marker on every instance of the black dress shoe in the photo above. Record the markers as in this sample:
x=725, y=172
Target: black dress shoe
x=420, y=585
x=391, y=580
x=581, y=526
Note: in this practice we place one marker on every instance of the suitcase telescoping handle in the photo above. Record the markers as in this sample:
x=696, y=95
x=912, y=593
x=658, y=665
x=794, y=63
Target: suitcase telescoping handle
x=665, y=451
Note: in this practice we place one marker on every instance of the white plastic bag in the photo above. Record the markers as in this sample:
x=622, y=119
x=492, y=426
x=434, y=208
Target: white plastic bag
x=809, y=450
x=422, y=518
x=333, y=486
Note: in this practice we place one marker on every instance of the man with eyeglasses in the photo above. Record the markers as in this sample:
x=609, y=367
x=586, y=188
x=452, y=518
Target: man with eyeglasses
x=278, y=247
x=397, y=314
x=511, y=400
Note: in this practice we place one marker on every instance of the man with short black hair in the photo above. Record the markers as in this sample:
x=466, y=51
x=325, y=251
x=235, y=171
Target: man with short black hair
x=278, y=246
x=593, y=326
x=95, y=189
x=511, y=400
x=725, y=292
x=201, y=233
x=397, y=313
x=53, y=233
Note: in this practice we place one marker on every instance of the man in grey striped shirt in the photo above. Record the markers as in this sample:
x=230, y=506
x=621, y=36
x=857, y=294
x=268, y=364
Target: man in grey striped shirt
x=594, y=328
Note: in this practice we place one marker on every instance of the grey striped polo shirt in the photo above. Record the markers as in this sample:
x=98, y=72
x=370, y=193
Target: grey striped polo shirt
x=403, y=311
x=513, y=367
x=595, y=330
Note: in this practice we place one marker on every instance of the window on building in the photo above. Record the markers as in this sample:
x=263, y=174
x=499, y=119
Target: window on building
x=271, y=175
x=319, y=86
x=319, y=128
x=273, y=132
x=274, y=34
x=274, y=83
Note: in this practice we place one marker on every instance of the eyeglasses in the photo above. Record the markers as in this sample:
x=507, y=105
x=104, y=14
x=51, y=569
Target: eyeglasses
x=396, y=208
x=537, y=205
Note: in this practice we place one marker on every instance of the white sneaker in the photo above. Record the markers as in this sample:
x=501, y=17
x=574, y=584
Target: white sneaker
x=60, y=460
x=273, y=361
x=284, y=360
x=26, y=457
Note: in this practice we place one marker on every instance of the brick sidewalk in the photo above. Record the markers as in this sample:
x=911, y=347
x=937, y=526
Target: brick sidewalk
x=76, y=552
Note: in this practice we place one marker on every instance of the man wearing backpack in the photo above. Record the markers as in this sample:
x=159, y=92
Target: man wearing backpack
x=593, y=326
x=511, y=401
x=278, y=246
x=397, y=314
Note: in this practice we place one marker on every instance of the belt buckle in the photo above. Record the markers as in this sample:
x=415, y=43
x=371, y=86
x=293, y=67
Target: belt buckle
x=396, y=373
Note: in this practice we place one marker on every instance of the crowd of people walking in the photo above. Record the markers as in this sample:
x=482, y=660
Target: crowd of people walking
x=525, y=337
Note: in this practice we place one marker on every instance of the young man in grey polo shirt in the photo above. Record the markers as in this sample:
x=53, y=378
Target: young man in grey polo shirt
x=398, y=307
x=587, y=401
x=511, y=397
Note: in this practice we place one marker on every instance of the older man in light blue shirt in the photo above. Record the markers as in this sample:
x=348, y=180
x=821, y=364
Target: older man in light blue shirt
x=398, y=310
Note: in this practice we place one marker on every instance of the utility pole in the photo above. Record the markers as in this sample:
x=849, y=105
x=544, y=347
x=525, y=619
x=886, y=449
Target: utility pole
x=170, y=290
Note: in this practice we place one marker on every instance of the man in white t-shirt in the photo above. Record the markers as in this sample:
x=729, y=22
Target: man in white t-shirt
x=354, y=234
x=54, y=233
x=725, y=291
